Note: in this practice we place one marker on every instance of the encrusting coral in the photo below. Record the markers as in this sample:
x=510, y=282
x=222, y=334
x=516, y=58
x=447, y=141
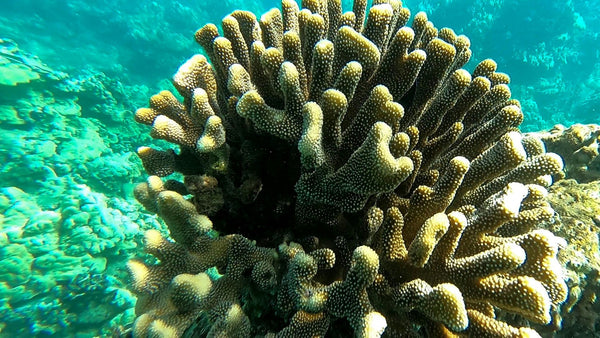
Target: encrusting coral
x=358, y=179
x=577, y=220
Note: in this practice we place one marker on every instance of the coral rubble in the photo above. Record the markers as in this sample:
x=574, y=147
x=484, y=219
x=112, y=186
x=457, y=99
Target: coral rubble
x=358, y=179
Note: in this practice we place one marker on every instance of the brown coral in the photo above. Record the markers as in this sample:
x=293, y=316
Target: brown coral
x=579, y=146
x=395, y=185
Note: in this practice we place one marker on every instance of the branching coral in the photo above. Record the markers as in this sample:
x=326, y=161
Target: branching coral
x=394, y=184
x=578, y=145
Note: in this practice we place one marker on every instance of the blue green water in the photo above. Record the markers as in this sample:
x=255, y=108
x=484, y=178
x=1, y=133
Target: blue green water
x=550, y=49
x=69, y=222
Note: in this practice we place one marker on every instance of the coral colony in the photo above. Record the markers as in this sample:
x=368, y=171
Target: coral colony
x=343, y=175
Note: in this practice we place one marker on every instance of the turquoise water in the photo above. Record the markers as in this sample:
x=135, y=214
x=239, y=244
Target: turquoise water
x=73, y=73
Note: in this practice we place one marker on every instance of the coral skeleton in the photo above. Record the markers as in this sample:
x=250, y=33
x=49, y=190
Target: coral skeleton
x=343, y=175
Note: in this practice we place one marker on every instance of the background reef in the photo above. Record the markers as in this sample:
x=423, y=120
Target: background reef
x=69, y=222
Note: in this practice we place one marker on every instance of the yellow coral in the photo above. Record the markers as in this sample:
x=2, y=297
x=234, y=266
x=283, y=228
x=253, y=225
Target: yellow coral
x=394, y=183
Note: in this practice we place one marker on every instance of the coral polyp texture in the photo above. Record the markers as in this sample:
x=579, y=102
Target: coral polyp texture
x=343, y=175
x=579, y=145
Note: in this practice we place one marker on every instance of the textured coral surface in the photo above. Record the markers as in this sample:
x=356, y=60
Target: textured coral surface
x=63, y=243
x=578, y=207
x=344, y=175
x=578, y=145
